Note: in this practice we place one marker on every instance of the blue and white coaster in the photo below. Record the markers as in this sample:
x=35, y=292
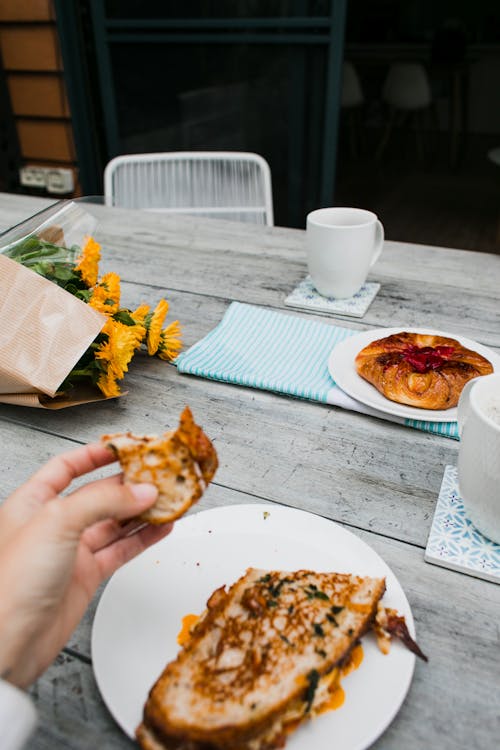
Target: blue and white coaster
x=305, y=297
x=454, y=542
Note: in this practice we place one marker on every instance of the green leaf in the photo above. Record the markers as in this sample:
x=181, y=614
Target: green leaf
x=63, y=273
x=123, y=316
x=83, y=294
x=32, y=249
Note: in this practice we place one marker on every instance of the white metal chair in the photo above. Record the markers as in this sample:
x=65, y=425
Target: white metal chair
x=352, y=91
x=407, y=92
x=233, y=185
x=407, y=87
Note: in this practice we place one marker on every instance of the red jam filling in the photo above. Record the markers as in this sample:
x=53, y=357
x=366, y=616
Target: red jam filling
x=426, y=358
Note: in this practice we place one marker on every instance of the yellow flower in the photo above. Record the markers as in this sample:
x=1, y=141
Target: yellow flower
x=128, y=339
x=154, y=330
x=97, y=301
x=88, y=262
x=139, y=315
x=108, y=358
x=106, y=352
x=109, y=327
x=170, y=342
x=118, y=350
x=108, y=385
x=106, y=294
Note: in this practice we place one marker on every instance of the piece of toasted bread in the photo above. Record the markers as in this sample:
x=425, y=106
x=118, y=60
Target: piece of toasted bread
x=181, y=463
x=261, y=660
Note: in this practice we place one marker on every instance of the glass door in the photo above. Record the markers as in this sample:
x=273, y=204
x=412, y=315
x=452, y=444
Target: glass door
x=257, y=75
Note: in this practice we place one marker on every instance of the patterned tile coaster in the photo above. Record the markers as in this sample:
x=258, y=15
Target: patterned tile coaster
x=454, y=542
x=305, y=297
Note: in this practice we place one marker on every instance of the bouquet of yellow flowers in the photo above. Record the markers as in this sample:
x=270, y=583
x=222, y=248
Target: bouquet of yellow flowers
x=103, y=359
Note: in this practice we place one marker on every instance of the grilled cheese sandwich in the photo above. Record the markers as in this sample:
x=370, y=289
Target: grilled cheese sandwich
x=181, y=464
x=264, y=657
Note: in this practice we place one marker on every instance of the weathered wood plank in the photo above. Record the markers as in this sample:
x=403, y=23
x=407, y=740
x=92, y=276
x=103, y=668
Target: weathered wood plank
x=23, y=449
x=366, y=472
x=15, y=208
x=453, y=699
x=379, y=478
x=231, y=270
x=420, y=264
x=72, y=714
x=452, y=290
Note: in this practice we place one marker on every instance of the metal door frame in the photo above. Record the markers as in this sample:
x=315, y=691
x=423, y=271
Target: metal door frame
x=319, y=30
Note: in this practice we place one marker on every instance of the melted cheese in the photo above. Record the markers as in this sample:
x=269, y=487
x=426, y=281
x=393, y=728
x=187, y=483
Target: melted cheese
x=336, y=696
x=335, y=701
x=355, y=659
x=188, y=623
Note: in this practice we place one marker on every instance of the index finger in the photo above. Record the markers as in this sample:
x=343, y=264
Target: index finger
x=48, y=482
x=61, y=470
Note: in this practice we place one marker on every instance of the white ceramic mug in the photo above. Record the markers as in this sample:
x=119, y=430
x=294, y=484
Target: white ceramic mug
x=479, y=453
x=342, y=245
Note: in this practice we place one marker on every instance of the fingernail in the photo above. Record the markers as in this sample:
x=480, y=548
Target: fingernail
x=144, y=493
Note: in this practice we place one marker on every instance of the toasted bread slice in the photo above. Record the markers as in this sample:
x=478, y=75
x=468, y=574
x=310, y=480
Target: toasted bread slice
x=261, y=660
x=181, y=463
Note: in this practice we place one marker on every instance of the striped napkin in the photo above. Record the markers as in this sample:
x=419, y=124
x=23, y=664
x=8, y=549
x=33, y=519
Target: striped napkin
x=261, y=348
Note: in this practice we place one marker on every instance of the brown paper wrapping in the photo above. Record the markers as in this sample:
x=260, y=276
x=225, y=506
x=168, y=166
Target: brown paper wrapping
x=80, y=395
x=44, y=331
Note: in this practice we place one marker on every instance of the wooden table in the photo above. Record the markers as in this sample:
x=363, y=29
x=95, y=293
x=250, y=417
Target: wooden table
x=377, y=478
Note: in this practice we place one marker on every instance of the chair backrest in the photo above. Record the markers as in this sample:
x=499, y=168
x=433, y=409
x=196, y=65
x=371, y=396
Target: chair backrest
x=407, y=86
x=352, y=92
x=232, y=185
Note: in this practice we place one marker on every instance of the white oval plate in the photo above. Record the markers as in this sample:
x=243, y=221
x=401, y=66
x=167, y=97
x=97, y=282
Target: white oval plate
x=343, y=370
x=140, y=613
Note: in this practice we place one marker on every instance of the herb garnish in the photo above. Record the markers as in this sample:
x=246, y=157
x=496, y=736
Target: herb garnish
x=312, y=680
x=316, y=594
x=276, y=590
x=318, y=630
x=312, y=592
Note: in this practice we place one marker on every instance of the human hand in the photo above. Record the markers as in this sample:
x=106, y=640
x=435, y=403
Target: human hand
x=55, y=551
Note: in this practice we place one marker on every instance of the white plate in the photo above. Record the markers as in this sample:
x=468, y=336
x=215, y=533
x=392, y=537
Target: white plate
x=140, y=612
x=343, y=371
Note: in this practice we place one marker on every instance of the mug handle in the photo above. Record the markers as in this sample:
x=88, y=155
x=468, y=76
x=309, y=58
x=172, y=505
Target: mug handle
x=463, y=406
x=379, y=242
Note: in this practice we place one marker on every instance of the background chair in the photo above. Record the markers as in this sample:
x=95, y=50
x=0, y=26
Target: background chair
x=408, y=93
x=221, y=184
x=352, y=92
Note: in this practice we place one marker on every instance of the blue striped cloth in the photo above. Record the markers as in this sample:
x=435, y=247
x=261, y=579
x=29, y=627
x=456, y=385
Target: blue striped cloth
x=261, y=348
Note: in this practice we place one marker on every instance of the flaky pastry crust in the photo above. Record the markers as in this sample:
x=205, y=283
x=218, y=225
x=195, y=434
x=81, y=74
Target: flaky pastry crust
x=420, y=370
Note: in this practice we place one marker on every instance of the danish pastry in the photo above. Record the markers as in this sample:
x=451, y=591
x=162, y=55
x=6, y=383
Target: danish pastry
x=420, y=370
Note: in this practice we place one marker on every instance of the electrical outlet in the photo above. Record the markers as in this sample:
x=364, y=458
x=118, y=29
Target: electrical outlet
x=53, y=180
x=59, y=181
x=33, y=177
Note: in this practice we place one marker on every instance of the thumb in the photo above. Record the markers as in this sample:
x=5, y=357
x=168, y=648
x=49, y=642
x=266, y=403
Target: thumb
x=102, y=500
